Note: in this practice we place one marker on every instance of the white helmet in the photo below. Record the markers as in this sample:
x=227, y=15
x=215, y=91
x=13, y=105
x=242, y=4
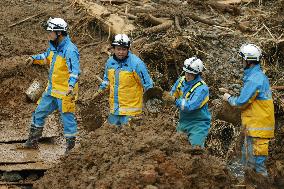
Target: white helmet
x=56, y=24
x=193, y=65
x=250, y=52
x=121, y=40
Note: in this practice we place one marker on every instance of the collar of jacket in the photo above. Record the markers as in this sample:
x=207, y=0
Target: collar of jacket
x=251, y=70
x=61, y=44
x=123, y=60
x=192, y=82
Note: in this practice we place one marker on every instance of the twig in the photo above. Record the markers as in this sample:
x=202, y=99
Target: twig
x=269, y=31
x=113, y=1
x=90, y=44
x=203, y=52
x=26, y=19
x=126, y=9
x=177, y=24
x=257, y=31
x=222, y=27
x=130, y=16
x=98, y=78
x=109, y=32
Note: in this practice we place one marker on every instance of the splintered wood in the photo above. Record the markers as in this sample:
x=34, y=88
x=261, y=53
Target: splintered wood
x=110, y=22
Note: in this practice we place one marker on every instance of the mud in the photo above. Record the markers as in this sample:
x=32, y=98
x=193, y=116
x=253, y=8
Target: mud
x=137, y=157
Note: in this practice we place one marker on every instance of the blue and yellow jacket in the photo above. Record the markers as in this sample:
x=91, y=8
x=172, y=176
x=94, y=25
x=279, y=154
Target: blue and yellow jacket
x=256, y=103
x=64, y=67
x=192, y=98
x=126, y=80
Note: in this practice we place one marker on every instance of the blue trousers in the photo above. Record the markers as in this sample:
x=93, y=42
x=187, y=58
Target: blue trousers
x=49, y=104
x=118, y=120
x=196, y=134
x=256, y=162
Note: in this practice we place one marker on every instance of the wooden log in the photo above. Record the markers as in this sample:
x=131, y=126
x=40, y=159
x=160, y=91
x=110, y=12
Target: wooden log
x=161, y=24
x=278, y=88
x=202, y=20
x=110, y=22
x=234, y=2
x=156, y=29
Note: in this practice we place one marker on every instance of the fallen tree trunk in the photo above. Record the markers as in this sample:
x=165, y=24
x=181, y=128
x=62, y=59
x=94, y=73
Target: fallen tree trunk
x=110, y=22
x=234, y=2
x=161, y=24
x=202, y=20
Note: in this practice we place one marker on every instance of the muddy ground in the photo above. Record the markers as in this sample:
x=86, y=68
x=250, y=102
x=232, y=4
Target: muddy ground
x=149, y=154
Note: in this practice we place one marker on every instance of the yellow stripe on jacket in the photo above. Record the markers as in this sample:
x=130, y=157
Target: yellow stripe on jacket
x=130, y=92
x=60, y=78
x=262, y=124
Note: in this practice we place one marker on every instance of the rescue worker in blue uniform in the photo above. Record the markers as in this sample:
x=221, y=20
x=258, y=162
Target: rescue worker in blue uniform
x=257, y=109
x=62, y=89
x=126, y=77
x=191, y=95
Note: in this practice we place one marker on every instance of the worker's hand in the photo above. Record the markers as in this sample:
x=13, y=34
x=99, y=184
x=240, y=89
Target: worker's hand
x=70, y=91
x=98, y=93
x=45, y=61
x=226, y=97
x=29, y=61
x=223, y=90
x=167, y=97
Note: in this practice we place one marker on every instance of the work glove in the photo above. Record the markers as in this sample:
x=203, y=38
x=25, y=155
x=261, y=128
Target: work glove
x=29, y=61
x=167, y=97
x=70, y=91
x=226, y=97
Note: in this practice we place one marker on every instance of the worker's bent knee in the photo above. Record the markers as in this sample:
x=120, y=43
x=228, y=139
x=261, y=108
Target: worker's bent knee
x=197, y=140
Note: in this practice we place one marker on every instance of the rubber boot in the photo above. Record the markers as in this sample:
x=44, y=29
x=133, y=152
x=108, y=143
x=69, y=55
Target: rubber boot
x=34, y=136
x=70, y=144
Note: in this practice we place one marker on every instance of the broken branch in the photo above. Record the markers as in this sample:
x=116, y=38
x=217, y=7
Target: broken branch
x=88, y=45
x=26, y=19
x=177, y=24
x=114, y=1
x=161, y=24
x=202, y=20
x=278, y=88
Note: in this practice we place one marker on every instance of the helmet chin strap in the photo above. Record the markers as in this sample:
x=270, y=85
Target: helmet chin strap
x=248, y=65
x=57, y=36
